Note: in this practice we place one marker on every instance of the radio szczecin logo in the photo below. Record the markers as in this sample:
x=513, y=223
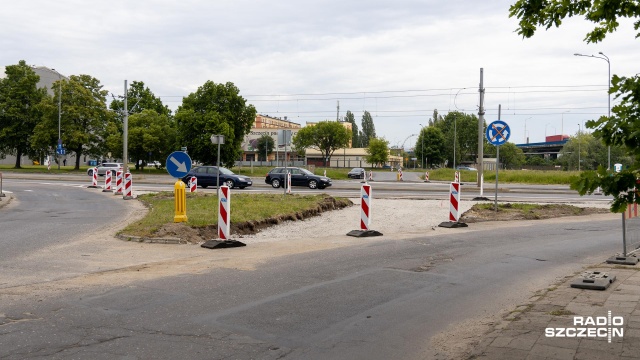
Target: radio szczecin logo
x=600, y=327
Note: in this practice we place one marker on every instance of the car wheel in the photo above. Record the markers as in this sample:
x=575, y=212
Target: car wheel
x=275, y=183
x=229, y=183
x=90, y=172
x=242, y=187
x=313, y=184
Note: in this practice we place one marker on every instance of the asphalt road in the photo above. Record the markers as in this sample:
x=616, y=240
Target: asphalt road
x=366, y=299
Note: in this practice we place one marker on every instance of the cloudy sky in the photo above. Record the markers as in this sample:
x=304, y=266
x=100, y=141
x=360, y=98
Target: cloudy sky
x=399, y=59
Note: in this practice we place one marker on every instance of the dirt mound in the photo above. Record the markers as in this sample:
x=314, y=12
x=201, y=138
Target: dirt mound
x=198, y=234
x=514, y=212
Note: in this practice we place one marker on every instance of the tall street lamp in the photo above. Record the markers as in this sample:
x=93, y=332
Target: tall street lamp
x=422, y=146
x=545, y=131
x=562, y=123
x=605, y=58
x=59, y=112
x=578, y=138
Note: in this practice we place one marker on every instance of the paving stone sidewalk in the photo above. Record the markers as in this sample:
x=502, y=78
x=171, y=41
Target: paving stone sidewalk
x=521, y=335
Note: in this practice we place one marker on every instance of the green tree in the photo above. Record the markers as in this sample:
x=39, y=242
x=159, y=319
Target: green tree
x=325, y=136
x=593, y=153
x=511, y=156
x=434, y=146
x=368, y=130
x=214, y=109
x=464, y=128
x=20, y=110
x=84, y=120
x=623, y=126
x=265, y=146
x=152, y=136
x=140, y=98
x=378, y=152
x=355, y=138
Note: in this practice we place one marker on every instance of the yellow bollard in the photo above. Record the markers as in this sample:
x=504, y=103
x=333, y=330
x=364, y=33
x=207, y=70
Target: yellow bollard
x=180, y=201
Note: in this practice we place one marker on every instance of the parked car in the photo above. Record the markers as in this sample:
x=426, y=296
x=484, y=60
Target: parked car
x=104, y=167
x=299, y=177
x=469, y=168
x=356, y=173
x=208, y=176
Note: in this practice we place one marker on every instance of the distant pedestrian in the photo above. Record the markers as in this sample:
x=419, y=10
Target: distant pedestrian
x=64, y=162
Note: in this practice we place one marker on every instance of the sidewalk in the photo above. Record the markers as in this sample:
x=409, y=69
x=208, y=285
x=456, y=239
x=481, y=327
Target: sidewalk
x=521, y=335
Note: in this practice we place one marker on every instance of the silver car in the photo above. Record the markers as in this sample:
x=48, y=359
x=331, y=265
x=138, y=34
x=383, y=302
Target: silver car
x=104, y=167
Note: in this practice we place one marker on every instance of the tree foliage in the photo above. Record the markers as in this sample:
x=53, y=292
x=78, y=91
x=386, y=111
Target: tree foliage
x=378, y=152
x=623, y=126
x=139, y=99
x=511, y=156
x=152, y=136
x=430, y=146
x=548, y=13
x=355, y=136
x=265, y=146
x=325, y=136
x=20, y=110
x=368, y=130
x=464, y=128
x=84, y=118
x=214, y=109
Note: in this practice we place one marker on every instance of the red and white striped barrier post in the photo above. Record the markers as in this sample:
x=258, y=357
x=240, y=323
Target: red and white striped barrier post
x=454, y=201
x=325, y=173
x=289, y=182
x=107, y=182
x=457, y=177
x=94, y=178
x=118, y=183
x=426, y=176
x=370, y=175
x=399, y=177
x=128, y=187
x=454, y=210
x=365, y=207
x=193, y=184
x=224, y=212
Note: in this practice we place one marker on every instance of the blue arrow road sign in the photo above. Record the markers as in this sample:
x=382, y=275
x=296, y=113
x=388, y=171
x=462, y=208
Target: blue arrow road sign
x=178, y=164
x=498, y=133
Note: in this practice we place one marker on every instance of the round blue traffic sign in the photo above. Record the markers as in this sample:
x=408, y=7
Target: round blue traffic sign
x=178, y=164
x=498, y=133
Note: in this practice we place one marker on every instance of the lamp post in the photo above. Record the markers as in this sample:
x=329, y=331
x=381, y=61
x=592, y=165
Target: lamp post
x=405, y=140
x=605, y=58
x=578, y=138
x=562, y=123
x=545, y=131
x=59, y=111
x=422, y=145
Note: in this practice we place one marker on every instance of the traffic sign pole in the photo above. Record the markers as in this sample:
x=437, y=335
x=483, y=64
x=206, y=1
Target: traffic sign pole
x=498, y=133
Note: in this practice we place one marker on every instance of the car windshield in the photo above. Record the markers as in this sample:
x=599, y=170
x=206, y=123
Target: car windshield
x=226, y=171
x=306, y=172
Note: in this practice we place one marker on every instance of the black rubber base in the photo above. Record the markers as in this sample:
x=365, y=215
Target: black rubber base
x=480, y=198
x=452, y=224
x=222, y=244
x=364, y=233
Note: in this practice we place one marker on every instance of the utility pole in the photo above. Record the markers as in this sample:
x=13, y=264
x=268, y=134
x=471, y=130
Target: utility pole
x=338, y=112
x=481, y=131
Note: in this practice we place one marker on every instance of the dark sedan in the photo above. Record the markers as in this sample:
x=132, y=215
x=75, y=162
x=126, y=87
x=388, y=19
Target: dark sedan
x=208, y=175
x=356, y=173
x=299, y=177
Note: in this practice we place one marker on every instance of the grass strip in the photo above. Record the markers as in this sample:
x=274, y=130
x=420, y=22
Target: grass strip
x=202, y=209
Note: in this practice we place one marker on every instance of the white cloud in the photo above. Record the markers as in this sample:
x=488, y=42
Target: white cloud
x=362, y=49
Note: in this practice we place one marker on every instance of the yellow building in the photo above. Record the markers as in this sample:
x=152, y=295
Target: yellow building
x=347, y=158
